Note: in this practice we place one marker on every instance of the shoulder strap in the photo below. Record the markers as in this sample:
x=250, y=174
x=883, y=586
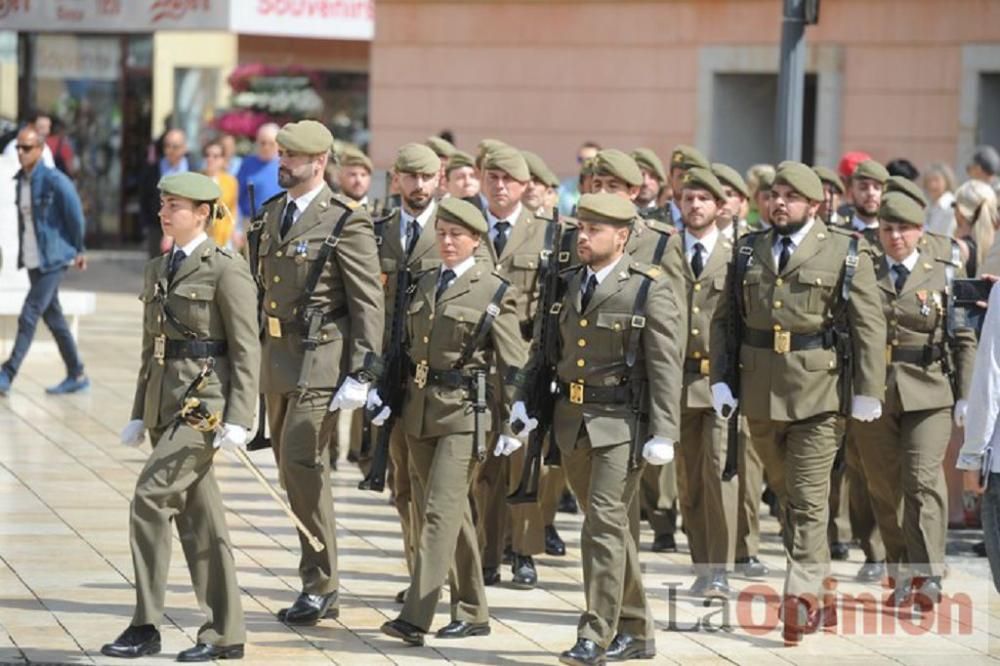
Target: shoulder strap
x=316, y=270
x=661, y=246
x=181, y=327
x=566, y=242
x=638, y=321
x=483, y=327
x=741, y=261
x=850, y=268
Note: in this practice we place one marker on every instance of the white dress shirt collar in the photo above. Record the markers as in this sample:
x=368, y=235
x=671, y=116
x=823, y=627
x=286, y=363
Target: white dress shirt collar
x=708, y=242
x=860, y=225
x=303, y=200
x=601, y=274
x=492, y=219
x=909, y=262
x=192, y=245
x=422, y=219
x=459, y=269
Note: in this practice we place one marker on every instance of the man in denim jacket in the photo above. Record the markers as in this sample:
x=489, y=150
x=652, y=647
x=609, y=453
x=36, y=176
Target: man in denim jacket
x=50, y=228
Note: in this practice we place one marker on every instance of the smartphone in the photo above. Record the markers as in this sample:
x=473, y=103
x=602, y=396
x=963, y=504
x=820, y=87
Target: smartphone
x=967, y=292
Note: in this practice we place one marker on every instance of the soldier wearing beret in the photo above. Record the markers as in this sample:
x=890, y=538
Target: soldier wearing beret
x=444, y=150
x=866, y=186
x=541, y=194
x=682, y=158
x=731, y=220
x=833, y=189
x=199, y=342
x=354, y=176
x=809, y=352
x=618, y=368
x=462, y=178
x=316, y=262
x=929, y=357
x=461, y=321
x=653, y=180
x=701, y=257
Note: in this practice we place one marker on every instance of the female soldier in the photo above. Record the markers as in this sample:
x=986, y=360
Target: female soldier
x=199, y=349
x=930, y=357
x=460, y=321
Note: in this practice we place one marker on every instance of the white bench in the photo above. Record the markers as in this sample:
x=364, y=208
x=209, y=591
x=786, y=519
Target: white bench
x=75, y=304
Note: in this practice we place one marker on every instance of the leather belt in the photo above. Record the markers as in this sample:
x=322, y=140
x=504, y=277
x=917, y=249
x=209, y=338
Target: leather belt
x=697, y=366
x=580, y=394
x=917, y=355
x=453, y=379
x=278, y=328
x=194, y=348
x=782, y=342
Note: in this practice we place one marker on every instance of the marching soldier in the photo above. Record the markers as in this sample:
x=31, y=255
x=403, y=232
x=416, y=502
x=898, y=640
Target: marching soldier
x=461, y=321
x=804, y=347
x=444, y=149
x=701, y=256
x=355, y=177
x=317, y=263
x=618, y=364
x=930, y=356
x=682, y=158
x=833, y=190
x=199, y=342
x=462, y=178
x=731, y=220
x=541, y=191
x=653, y=179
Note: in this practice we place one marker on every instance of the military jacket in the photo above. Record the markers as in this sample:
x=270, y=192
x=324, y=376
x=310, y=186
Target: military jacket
x=214, y=296
x=437, y=332
x=592, y=352
x=784, y=385
x=699, y=296
x=647, y=238
x=349, y=287
x=916, y=319
x=519, y=263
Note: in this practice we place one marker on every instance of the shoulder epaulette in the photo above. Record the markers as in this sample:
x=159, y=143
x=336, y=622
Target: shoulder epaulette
x=274, y=198
x=661, y=226
x=650, y=271
x=499, y=277
x=385, y=217
x=224, y=251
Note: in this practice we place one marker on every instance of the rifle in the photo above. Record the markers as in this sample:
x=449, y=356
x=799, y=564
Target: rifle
x=839, y=339
x=391, y=387
x=540, y=402
x=260, y=439
x=734, y=340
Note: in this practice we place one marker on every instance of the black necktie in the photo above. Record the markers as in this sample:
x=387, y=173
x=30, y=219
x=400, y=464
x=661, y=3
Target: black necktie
x=286, y=221
x=447, y=275
x=412, y=236
x=697, y=264
x=786, y=253
x=588, y=291
x=500, y=241
x=176, y=259
x=902, y=272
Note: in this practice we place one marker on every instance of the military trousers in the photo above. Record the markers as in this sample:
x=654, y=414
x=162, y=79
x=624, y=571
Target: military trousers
x=852, y=515
x=605, y=486
x=750, y=477
x=304, y=469
x=441, y=469
x=178, y=484
x=903, y=456
x=798, y=457
x=658, y=491
x=707, y=503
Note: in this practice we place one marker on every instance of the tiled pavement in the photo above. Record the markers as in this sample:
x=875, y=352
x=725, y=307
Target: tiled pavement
x=65, y=568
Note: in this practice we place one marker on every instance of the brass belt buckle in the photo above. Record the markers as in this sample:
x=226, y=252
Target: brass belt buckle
x=576, y=393
x=888, y=354
x=420, y=375
x=782, y=342
x=704, y=367
x=160, y=347
x=274, y=327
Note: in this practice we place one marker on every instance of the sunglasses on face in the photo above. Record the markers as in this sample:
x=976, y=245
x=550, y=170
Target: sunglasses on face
x=26, y=148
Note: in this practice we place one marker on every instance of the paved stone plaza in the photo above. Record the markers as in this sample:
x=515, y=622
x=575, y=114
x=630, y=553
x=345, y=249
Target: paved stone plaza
x=66, y=573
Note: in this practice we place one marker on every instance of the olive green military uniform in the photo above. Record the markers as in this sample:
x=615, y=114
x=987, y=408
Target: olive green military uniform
x=213, y=295
x=790, y=396
x=903, y=451
x=440, y=432
x=349, y=294
x=708, y=504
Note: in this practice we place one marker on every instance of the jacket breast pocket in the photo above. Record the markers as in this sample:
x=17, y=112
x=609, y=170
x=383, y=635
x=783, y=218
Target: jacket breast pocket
x=522, y=271
x=461, y=321
x=192, y=305
x=751, y=288
x=815, y=289
x=613, y=328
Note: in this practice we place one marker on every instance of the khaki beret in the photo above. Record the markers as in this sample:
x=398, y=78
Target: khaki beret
x=509, y=160
x=907, y=187
x=457, y=211
x=871, y=169
x=539, y=169
x=697, y=178
x=901, y=208
x=765, y=182
x=485, y=146
x=830, y=177
x=354, y=157
x=190, y=185
x=458, y=160
x=441, y=147
x=727, y=175
x=605, y=208
x=648, y=160
x=305, y=136
x=685, y=157
x=417, y=158
x=588, y=167
x=800, y=178
x=611, y=162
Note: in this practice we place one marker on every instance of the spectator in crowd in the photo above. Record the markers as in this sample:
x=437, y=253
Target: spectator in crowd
x=261, y=169
x=223, y=230
x=984, y=166
x=50, y=233
x=233, y=160
x=62, y=149
x=976, y=222
x=902, y=167
x=939, y=184
x=174, y=160
x=569, y=189
x=41, y=123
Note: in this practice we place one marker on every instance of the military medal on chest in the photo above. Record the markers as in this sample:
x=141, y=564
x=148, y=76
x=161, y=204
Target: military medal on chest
x=925, y=308
x=301, y=249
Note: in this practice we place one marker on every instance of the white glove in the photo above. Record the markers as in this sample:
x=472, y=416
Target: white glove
x=373, y=403
x=961, y=408
x=134, y=433
x=519, y=413
x=231, y=437
x=658, y=451
x=351, y=395
x=865, y=408
x=723, y=401
x=506, y=445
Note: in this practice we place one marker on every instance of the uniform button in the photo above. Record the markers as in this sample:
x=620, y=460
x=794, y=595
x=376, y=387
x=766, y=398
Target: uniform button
x=819, y=280
x=697, y=354
x=777, y=327
x=279, y=253
x=895, y=343
x=695, y=331
x=777, y=305
x=831, y=364
x=583, y=323
x=581, y=343
x=430, y=317
x=893, y=321
x=277, y=278
x=323, y=337
x=697, y=286
x=695, y=309
x=194, y=294
x=778, y=281
x=617, y=326
x=580, y=363
x=425, y=339
x=273, y=304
